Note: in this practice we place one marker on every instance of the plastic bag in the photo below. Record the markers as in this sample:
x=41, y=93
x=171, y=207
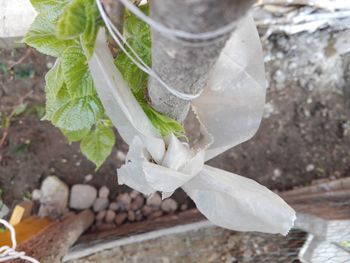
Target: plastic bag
x=229, y=112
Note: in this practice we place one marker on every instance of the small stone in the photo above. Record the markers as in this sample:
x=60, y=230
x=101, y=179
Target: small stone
x=110, y=216
x=147, y=210
x=88, y=178
x=124, y=199
x=36, y=194
x=121, y=156
x=183, y=207
x=103, y=192
x=279, y=76
x=54, y=199
x=120, y=218
x=137, y=203
x=134, y=194
x=276, y=174
x=100, y=215
x=169, y=205
x=138, y=215
x=154, y=200
x=131, y=216
x=4, y=210
x=82, y=196
x=100, y=204
x=49, y=64
x=310, y=167
x=155, y=214
x=114, y=206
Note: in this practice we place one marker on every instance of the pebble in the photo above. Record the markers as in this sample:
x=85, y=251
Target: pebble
x=49, y=64
x=124, y=199
x=276, y=174
x=138, y=215
x=279, y=76
x=183, y=207
x=54, y=199
x=310, y=167
x=121, y=218
x=100, y=215
x=155, y=214
x=110, y=216
x=114, y=206
x=169, y=205
x=82, y=196
x=36, y=194
x=134, y=194
x=137, y=203
x=154, y=200
x=100, y=204
x=4, y=210
x=121, y=156
x=147, y=210
x=131, y=216
x=88, y=178
x=103, y=192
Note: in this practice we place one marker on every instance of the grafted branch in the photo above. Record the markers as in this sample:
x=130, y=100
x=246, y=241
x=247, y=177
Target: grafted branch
x=186, y=67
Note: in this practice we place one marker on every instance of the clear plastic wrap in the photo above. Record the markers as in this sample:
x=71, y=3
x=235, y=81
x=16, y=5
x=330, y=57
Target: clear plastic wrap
x=229, y=111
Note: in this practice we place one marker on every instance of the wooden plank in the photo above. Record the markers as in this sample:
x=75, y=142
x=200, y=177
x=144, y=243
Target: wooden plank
x=340, y=184
x=334, y=205
x=52, y=243
x=25, y=230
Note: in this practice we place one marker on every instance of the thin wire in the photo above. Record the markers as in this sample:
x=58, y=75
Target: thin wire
x=146, y=68
x=136, y=59
x=8, y=253
x=175, y=32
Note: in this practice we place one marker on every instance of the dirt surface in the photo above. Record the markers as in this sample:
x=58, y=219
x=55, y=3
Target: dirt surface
x=305, y=133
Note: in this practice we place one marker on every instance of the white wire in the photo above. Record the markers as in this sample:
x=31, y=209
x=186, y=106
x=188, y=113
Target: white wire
x=8, y=253
x=137, y=60
x=175, y=32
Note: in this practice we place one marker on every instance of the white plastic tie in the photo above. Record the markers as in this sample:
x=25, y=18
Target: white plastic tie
x=175, y=33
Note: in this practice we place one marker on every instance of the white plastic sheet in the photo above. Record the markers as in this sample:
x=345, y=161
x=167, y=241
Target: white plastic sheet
x=229, y=111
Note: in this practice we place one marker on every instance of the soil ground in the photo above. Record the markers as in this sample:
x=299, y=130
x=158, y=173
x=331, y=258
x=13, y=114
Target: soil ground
x=305, y=133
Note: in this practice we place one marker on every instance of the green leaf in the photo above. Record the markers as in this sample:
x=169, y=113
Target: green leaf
x=164, y=124
x=93, y=22
x=54, y=95
x=45, y=5
x=41, y=34
x=78, y=113
x=76, y=72
x=73, y=20
x=139, y=38
x=135, y=27
x=54, y=102
x=54, y=79
x=75, y=136
x=73, y=114
x=21, y=108
x=98, y=145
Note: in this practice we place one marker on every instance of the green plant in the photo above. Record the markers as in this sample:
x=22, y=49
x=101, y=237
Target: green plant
x=67, y=30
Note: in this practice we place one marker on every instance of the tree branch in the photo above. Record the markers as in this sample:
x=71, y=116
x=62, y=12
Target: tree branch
x=184, y=67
